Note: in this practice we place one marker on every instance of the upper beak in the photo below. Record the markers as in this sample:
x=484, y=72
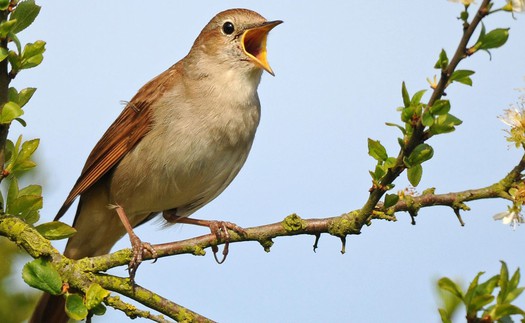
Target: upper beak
x=253, y=42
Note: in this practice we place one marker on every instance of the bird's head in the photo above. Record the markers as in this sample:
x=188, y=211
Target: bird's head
x=235, y=38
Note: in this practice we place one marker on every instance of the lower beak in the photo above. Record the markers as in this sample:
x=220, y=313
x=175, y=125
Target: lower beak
x=254, y=43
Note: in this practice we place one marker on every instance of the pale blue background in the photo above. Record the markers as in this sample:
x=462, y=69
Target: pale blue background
x=339, y=68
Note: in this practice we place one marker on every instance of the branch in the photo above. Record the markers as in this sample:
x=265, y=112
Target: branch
x=419, y=136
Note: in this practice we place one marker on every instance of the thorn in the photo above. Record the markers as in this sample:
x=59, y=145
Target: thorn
x=458, y=215
x=317, y=237
x=343, y=245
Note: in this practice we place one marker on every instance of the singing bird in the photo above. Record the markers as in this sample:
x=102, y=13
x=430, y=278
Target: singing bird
x=176, y=146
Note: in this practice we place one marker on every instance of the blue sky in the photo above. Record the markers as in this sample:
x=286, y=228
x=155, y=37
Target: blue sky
x=339, y=68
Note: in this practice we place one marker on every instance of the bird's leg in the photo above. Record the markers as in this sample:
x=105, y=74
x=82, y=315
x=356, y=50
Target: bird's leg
x=218, y=228
x=137, y=245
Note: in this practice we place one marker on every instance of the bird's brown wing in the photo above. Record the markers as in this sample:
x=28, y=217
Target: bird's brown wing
x=128, y=129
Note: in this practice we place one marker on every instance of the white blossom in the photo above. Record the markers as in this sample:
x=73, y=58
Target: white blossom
x=511, y=217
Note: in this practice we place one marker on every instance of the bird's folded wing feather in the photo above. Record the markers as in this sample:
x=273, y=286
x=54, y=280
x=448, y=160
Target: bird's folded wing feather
x=131, y=125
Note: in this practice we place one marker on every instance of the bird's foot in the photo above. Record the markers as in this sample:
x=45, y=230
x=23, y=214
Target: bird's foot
x=218, y=228
x=138, y=247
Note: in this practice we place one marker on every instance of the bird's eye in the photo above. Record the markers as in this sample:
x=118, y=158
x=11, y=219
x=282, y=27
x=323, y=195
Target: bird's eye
x=228, y=28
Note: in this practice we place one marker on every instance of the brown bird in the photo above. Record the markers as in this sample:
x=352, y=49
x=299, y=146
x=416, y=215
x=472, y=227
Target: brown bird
x=176, y=146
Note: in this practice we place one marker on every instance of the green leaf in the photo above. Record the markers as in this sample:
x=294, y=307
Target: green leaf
x=379, y=172
x=32, y=55
x=4, y=4
x=391, y=200
x=6, y=27
x=24, y=14
x=15, y=60
x=444, y=316
x=416, y=99
x=447, y=284
x=406, y=96
x=25, y=95
x=95, y=295
x=23, y=166
x=442, y=62
x=440, y=107
x=28, y=148
x=31, y=190
x=10, y=111
x=12, y=194
x=420, y=154
x=55, y=230
x=495, y=38
x=444, y=124
x=414, y=174
x=514, y=281
x=376, y=150
x=390, y=162
x=479, y=301
x=503, y=310
x=100, y=309
x=25, y=204
x=75, y=307
x=397, y=126
x=41, y=275
x=3, y=53
x=427, y=119
x=461, y=76
x=503, y=282
x=407, y=114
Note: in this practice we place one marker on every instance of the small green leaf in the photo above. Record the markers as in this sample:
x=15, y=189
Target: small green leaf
x=514, y=281
x=95, y=295
x=416, y=99
x=23, y=166
x=391, y=200
x=24, y=14
x=447, y=284
x=15, y=60
x=10, y=111
x=503, y=282
x=55, y=230
x=440, y=107
x=444, y=316
x=3, y=53
x=25, y=95
x=4, y=4
x=32, y=55
x=41, y=275
x=495, y=38
x=408, y=113
x=390, y=162
x=376, y=150
x=6, y=27
x=503, y=310
x=414, y=174
x=427, y=119
x=31, y=190
x=444, y=124
x=100, y=309
x=12, y=194
x=419, y=155
x=28, y=148
x=442, y=61
x=406, y=96
x=75, y=307
x=461, y=76
x=26, y=203
x=479, y=301
x=397, y=126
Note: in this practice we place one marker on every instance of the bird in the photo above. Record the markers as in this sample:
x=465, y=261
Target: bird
x=177, y=144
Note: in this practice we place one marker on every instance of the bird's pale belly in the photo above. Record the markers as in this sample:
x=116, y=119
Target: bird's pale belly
x=188, y=179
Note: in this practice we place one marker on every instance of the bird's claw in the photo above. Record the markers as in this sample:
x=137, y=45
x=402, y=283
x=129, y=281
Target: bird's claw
x=220, y=230
x=138, y=247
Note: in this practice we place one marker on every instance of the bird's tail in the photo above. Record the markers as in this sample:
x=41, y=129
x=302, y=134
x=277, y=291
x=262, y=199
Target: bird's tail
x=50, y=309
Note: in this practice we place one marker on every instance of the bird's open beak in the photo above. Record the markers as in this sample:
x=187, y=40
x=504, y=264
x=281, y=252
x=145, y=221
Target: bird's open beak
x=254, y=43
